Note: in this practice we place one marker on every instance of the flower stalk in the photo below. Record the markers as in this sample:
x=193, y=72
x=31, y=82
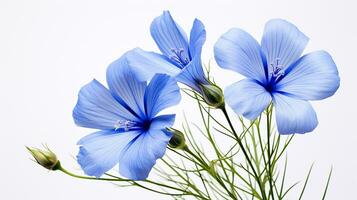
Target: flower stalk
x=247, y=157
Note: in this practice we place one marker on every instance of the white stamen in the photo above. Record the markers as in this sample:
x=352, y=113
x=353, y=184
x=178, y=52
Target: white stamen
x=125, y=124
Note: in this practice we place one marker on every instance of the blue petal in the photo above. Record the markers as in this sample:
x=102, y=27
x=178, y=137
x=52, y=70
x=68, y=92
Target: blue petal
x=99, y=152
x=126, y=86
x=146, y=64
x=247, y=98
x=97, y=108
x=139, y=158
x=197, y=38
x=237, y=50
x=162, y=92
x=282, y=43
x=293, y=115
x=162, y=122
x=192, y=75
x=168, y=35
x=312, y=77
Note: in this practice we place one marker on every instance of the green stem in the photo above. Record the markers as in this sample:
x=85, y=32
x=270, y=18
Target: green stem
x=118, y=179
x=209, y=170
x=244, y=152
x=262, y=149
x=217, y=151
x=91, y=178
x=270, y=177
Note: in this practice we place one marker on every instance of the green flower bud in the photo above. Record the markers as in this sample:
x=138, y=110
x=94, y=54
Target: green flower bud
x=212, y=166
x=46, y=158
x=177, y=140
x=212, y=95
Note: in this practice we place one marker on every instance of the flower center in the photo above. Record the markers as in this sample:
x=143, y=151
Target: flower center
x=276, y=70
x=179, y=57
x=146, y=125
x=126, y=125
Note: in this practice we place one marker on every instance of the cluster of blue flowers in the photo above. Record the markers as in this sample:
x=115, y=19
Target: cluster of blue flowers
x=143, y=83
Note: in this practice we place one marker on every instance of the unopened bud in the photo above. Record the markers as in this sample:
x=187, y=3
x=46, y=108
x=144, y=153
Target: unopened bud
x=46, y=158
x=212, y=95
x=212, y=166
x=177, y=140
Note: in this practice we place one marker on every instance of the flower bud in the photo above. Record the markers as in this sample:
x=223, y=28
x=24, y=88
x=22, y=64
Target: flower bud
x=177, y=140
x=212, y=166
x=212, y=95
x=46, y=158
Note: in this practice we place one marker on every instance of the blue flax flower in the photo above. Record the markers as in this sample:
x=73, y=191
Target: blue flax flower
x=180, y=58
x=131, y=132
x=276, y=72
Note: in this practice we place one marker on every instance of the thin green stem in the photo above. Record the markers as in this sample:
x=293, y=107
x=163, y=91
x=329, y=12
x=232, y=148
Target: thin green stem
x=262, y=149
x=211, y=172
x=91, y=178
x=270, y=176
x=118, y=179
x=244, y=152
x=327, y=184
x=305, y=183
x=217, y=151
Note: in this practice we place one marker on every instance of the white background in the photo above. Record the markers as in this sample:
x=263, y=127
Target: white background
x=49, y=49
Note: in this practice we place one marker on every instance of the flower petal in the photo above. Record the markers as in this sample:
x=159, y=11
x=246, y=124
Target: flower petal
x=237, y=50
x=197, y=38
x=168, y=35
x=282, y=43
x=100, y=151
x=247, y=97
x=293, y=115
x=162, y=122
x=162, y=92
x=146, y=64
x=312, y=77
x=139, y=158
x=192, y=75
x=126, y=86
x=97, y=108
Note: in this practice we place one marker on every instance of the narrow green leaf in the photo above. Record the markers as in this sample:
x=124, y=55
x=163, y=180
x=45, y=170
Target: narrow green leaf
x=327, y=184
x=283, y=178
x=306, y=180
